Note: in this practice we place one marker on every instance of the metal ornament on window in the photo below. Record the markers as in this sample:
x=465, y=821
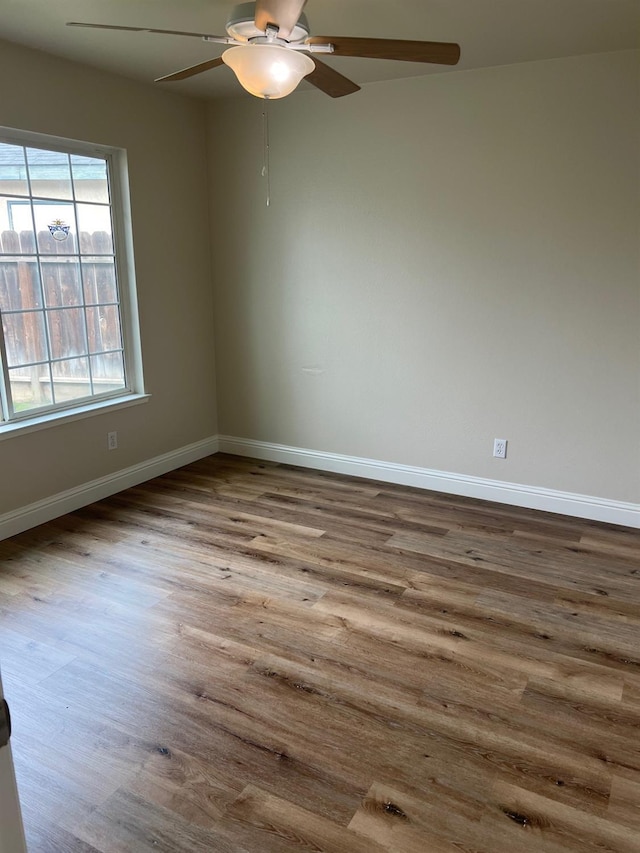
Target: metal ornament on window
x=59, y=231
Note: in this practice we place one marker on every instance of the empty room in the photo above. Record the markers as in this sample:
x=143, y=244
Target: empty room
x=320, y=426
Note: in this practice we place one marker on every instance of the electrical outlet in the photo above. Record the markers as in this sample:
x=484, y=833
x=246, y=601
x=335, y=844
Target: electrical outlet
x=112, y=440
x=500, y=448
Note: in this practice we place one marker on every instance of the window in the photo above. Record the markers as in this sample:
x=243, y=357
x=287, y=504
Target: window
x=67, y=336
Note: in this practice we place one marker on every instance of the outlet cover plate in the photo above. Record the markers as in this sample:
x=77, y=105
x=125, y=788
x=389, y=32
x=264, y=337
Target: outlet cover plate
x=500, y=448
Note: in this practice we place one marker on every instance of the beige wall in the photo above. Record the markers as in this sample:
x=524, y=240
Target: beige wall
x=164, y=135
x=445, y=260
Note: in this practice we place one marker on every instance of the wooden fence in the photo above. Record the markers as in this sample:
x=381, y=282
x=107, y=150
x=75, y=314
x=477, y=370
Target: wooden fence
x=69, y=297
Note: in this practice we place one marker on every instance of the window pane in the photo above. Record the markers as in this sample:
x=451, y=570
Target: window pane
x=108, y=372
x=13, y=170
x=24, y=338
x=90, y=178
x=50, y=173
x=67, y=332
x=16, y=226
x=99, y=278
x=30, y=387
x=71, y=379
x=95, y=220
x=61, y=282
x=19, y=284
x=103, y=326
x=56, y=228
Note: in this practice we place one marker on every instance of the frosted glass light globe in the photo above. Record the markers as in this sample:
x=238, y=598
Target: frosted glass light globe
x=267, y=70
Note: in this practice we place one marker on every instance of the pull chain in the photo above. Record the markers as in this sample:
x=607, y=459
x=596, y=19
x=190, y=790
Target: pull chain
x=265, y=148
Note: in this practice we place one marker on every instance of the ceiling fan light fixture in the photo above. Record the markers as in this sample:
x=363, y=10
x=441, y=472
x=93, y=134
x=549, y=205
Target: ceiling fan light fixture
x=268, y=70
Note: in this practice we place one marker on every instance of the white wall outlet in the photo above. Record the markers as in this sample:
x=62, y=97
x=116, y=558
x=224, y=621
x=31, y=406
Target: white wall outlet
x=500, y=448
x=112, y=440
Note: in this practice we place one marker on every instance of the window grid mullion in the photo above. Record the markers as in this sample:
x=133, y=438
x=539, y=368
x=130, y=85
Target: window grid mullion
x=117, y=261
x=45, y=318
x=51, y=385
x=40, y=278
x=105, y=255
x=35, y=237
x=6, y=400
x=81, y=272
x=46, y=308
x=65, y=358
x=5, y=385
x=52, y=199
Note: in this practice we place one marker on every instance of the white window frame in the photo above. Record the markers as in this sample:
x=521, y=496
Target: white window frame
x=133, y=392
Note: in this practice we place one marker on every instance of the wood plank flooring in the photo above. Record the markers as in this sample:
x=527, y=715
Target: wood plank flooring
x=251, y=658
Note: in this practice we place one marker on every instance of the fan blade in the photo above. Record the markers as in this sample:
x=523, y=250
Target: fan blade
x=191, y=71
x=440, y=52
x=284, y=14
x=330, y=81
x=147, y=30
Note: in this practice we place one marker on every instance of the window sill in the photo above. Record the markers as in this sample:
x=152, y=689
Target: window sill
x=14, y=428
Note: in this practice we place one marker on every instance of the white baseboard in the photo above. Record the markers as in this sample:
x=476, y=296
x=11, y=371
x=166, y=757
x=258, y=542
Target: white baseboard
x=532, y=497
x=29, y=516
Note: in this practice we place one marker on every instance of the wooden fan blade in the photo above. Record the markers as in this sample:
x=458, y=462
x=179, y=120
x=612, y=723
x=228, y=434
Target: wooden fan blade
x=146, y=30
x=330, y=81
x=191, y=71
x=284, y=14
x=440, y=52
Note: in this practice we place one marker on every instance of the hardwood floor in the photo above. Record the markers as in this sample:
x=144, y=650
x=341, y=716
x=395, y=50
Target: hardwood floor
x=251, y=658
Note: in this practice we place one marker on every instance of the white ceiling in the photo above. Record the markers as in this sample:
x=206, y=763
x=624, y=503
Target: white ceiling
x=490, y=32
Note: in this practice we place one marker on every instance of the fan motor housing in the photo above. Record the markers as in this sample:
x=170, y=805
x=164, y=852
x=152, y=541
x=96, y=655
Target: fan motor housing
x=241, y=24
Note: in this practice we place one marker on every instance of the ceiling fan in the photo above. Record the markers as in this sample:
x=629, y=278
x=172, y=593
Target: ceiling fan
x=270, y=40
